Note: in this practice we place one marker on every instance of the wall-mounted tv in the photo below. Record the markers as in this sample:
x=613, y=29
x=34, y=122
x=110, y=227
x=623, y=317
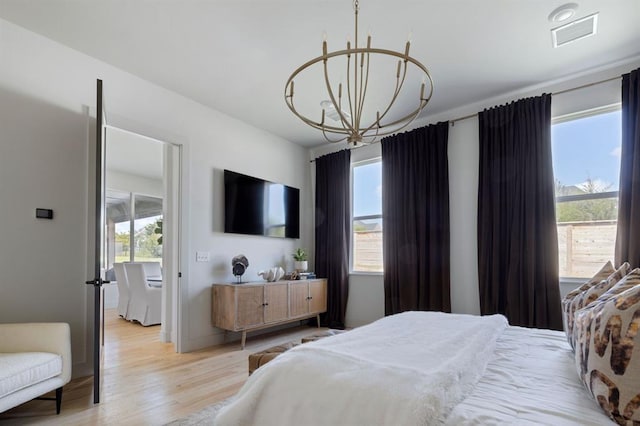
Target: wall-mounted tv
x=255, y=206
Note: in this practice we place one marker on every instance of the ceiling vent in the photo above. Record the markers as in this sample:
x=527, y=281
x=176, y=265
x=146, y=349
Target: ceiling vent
x=575, y=30
x=331, y=111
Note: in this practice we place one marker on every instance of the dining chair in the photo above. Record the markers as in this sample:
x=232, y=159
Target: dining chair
x=123, y=289
x=152, y=269
x=145, y=305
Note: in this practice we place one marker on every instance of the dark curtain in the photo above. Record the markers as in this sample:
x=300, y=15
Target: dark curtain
x=415, y=211
x=517, y=234
x=628, y=235
x=333, y=172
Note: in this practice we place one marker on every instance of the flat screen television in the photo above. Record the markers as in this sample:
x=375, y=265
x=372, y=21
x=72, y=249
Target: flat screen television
x=255, y=206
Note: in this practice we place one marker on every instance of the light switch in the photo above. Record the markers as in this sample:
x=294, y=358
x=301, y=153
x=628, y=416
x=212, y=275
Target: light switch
x=202, y=256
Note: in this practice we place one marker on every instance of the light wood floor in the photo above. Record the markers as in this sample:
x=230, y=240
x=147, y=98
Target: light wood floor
x=146, y=383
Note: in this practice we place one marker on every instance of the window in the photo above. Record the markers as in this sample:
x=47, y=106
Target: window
x=367, y=217
x=586, y=165
x=146, y=228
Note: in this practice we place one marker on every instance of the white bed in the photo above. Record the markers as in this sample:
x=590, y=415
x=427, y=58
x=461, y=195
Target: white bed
x=531, y=379
x=420, y=368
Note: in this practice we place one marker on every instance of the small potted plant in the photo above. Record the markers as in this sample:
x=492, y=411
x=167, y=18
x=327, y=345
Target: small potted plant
x=300, y=257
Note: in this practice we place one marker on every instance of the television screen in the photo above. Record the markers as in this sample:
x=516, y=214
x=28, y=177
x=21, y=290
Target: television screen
x=257, y=207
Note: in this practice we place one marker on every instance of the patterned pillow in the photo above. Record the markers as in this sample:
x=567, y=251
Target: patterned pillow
x=568, y=309
x=608, y=349
x=591, y=294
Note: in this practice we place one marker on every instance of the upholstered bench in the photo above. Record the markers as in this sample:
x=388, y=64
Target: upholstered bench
x=321, y=334
x=259, y=359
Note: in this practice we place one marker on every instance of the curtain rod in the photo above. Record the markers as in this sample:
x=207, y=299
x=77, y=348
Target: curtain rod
x=560, y=92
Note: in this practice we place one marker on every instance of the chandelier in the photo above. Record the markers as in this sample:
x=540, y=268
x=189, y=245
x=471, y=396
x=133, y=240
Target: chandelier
x=355, y=121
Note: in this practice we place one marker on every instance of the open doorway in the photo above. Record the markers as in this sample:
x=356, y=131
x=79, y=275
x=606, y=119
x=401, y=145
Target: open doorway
x=141, y=240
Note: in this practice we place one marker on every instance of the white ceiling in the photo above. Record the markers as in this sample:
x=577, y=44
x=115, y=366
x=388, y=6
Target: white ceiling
x=236, y=55
x=133, y=154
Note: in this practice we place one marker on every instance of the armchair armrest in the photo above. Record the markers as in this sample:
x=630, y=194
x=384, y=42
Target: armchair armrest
x=39, y=337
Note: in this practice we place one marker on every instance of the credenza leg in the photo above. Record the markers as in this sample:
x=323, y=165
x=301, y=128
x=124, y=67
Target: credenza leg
x=244, y=339
x=318, y=320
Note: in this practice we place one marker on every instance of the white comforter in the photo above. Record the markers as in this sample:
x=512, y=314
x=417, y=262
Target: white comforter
x=407, y=369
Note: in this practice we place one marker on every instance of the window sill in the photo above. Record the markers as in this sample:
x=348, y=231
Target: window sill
x=366, y=273
x=574, y=281
x=569, y=284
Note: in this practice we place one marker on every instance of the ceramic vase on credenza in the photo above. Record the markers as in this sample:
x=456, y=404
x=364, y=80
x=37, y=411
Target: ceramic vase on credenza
x=301, y=265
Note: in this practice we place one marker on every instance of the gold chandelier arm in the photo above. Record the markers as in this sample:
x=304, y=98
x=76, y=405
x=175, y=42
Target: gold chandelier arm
x=355, y=118
x=324, y=133
x=366, y=84
x=349, y=81
x=410, y=117
x=363, y=83
x=422, y=104
x=396, y=92
x=347, y=126
x=372, y=138
x=314, y=124
x=413, y=116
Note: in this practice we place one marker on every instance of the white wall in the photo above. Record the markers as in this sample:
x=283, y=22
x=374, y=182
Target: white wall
x=366, y=293
x=366, y=299
x=43, y=164
x=44, y=88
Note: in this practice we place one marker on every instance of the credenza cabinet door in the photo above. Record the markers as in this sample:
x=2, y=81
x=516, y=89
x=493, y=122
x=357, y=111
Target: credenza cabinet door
x=298, y=299
x=317, y=296
x=250, y=311
x=276, y=302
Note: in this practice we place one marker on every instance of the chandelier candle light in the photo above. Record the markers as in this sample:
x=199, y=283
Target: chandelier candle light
x=350, y=123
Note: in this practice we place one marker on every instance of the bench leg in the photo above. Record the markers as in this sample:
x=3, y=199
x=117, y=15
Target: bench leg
x=58, y=399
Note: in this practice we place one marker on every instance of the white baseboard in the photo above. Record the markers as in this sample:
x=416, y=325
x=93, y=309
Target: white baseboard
x=204, y=342
x=218, y=337
x=165, y=337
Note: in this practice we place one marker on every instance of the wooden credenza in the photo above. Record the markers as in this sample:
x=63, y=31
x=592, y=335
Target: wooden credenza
x=251, y=306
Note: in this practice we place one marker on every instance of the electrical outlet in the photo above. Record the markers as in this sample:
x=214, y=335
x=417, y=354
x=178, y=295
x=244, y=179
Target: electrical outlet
x=202, y=256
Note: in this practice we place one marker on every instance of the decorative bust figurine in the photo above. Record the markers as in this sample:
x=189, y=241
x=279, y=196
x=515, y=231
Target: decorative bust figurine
x=239, y=265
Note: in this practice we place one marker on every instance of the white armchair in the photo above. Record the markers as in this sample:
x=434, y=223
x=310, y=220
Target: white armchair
x=145, y=305
x=35, y=358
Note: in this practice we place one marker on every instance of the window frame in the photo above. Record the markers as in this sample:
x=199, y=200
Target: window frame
x=368, y=161
x=589, y=196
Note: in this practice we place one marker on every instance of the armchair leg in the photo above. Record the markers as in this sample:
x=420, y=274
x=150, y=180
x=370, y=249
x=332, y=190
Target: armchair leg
x=58, y=399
